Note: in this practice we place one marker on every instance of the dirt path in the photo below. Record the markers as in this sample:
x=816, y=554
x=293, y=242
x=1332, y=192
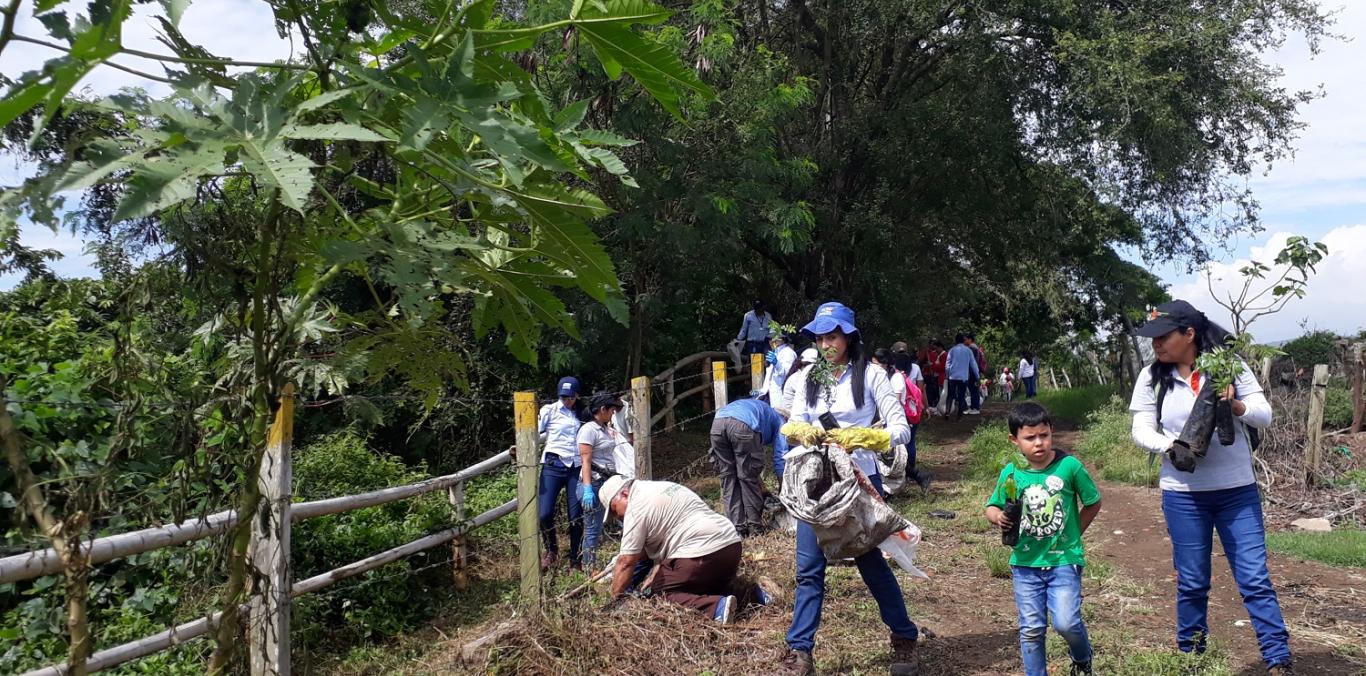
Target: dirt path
x=1130, y=591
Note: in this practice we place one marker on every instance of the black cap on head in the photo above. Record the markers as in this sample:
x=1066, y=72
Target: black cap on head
x=603, y=400
x=1171, y=316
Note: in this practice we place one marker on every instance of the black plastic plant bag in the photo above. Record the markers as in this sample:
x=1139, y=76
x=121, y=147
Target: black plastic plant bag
x=1223, y=421
x=1193, y=443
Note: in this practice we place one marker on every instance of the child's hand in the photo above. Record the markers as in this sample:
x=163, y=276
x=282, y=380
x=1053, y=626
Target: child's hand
x=998, y=517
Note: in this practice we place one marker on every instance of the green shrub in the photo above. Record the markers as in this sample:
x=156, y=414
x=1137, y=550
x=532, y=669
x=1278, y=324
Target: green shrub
x=1338, y=548
x=1075, y=404
x=1315, y=347
x=1108, y=448
x=1337, y=407
x=384, y=602
x=991, y=449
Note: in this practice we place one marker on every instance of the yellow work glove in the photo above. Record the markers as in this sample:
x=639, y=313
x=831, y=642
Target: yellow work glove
x=802, y=434
x=861, y=437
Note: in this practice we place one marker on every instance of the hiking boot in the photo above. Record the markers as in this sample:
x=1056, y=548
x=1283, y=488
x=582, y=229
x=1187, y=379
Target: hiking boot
x=797, y=663
x=725, y=610
x=1281, y=670
x=1081, y=668
x=921, y=479
x=905, y=661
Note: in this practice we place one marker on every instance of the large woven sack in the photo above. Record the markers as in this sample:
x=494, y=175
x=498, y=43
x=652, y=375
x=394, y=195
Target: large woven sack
x=823, y=488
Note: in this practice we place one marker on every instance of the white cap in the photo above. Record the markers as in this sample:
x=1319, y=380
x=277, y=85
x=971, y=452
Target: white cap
x=810, y=354
x=610, y=488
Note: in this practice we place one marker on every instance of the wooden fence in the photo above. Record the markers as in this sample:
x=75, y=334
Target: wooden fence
x=267, y=611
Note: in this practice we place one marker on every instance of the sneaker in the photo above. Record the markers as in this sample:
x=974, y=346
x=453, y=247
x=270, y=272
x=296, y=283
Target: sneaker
x=974, y=411
x=905, y=661
x=1281, y=670
x=762, y=596
x=1081, y=668
x=798, y=663
x=725, y=608
x=922, y=479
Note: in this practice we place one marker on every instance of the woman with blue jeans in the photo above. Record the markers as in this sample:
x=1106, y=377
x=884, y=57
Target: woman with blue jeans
x=597, y=444
x=558, y=429
x=842, y=385
x=1220, y=494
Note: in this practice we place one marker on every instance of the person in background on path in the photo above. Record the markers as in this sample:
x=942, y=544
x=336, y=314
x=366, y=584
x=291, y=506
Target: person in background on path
x=940, y=368
x=913, y=369
x=976, y=392
x=597, y=443
x=754, y=332
x=739, y=433
x=1047, y=560
x=558, y=428
x=696, y=550
x=961, y=368
x=1220, y=494
x=781, y=358
x=1027, y=368
x=1007, y=383
x=853, y=394
x=915, y=413
x=808, y=357
x=984, y=391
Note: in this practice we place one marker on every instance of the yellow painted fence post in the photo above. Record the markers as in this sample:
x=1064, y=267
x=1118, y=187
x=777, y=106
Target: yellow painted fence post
x=528, y=524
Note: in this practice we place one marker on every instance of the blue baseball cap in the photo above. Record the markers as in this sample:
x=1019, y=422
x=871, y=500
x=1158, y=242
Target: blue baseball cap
x=829, y=317
x=568, y=387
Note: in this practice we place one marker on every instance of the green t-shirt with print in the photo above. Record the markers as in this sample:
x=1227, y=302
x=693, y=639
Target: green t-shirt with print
x=1050, y=525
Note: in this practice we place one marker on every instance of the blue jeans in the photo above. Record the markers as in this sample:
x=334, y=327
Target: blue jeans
x=1236, y=513
x=910, y=449
x=1031, y=386
x=555, y=477
x=1041, y=593
x=975, y=393
x=806, y=611
x=592, y=522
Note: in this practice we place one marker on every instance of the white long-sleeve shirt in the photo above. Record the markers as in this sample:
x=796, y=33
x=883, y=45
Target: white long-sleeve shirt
x=878, y=400
x=777, y=374
x=1223, y=466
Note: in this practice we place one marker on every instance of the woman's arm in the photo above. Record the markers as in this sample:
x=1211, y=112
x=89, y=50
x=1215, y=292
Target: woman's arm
x=800, y=412
x=1257, y=410
x=892, y=413
x=586, y=455
x=1143, y=404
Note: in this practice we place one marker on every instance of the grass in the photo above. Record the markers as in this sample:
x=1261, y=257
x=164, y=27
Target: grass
x=1338, y=548
x=1077, y=403
x=991, y=449
x=1108, y=447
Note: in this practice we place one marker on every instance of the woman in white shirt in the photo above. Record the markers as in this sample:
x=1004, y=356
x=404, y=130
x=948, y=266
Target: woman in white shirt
x=1026, y=373
x=854, y=395
x=1219, y=493
x=783, y=359
x=597, y=441
x=558, y=428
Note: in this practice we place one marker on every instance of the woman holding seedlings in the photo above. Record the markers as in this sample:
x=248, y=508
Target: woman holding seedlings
x=841, y=389
x=1207, y=484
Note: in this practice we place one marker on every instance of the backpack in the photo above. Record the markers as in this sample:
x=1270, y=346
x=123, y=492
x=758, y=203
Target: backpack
x=915, y=401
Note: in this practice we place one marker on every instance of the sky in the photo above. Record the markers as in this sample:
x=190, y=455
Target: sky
x=1319, y=193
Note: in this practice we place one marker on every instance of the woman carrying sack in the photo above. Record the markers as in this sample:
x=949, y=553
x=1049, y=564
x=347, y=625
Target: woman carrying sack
x=1213, y=491
x=597, y=451
x=842, y=386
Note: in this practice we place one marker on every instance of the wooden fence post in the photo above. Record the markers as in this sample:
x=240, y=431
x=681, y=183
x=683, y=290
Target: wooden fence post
x=640, y=408
x=669, y=418
x=271, y=581
x=459, y=553
x=1318, y=395
x=708, y=404
x=528, y=522
x=1066, y=378
x=719, y=390
x=1053, y=377
x=1358, y=374
x=756, y=371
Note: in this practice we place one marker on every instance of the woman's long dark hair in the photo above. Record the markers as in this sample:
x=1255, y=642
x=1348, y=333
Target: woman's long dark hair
x=858, y=366
x=1029, y=357
x=1207, y=338
x=797, y=365
x=884, y=357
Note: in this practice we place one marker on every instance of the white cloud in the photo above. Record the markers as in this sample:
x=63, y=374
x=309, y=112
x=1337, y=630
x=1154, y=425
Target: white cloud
x=1335, y=298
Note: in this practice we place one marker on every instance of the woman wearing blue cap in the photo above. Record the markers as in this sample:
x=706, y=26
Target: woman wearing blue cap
x=842, y=386
x=558, y=425
x=1216, y=492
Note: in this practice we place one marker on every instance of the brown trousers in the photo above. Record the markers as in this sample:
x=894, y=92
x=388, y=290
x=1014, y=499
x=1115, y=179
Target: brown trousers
x=699, y=582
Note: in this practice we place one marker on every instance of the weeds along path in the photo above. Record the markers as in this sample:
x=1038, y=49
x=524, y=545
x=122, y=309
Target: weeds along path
x=967, y=607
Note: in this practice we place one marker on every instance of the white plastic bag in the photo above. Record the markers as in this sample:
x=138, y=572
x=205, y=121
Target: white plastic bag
x=624, y=457
x=900, y=547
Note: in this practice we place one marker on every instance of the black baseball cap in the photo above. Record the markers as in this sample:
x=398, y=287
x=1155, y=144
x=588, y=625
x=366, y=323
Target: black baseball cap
x=1171, y=316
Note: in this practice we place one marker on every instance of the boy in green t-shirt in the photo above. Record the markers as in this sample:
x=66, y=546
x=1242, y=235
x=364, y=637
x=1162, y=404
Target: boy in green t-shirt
x=1047, y=560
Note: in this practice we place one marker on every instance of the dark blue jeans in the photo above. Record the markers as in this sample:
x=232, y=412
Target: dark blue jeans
x=910, y=449
x=975, y=393
x=555, y=477
x=592, y=521
x=1236, y=513
x=958, y=396
x=1041, y=593
x=1031, y=385
x=806, y=611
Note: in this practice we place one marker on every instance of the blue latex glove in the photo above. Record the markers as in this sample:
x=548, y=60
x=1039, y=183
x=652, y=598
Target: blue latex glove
x=588, y=497
x=771, y=357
